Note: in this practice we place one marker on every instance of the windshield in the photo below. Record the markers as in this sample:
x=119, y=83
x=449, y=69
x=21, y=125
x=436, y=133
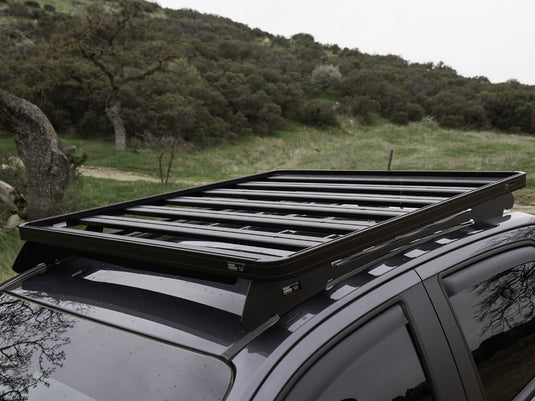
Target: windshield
x=49, y=355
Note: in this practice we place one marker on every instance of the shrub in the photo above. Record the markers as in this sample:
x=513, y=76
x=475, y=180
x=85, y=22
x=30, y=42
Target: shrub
x=19, y=10
x=475, y=117
x=415, y=112
x=269, y=119
x=451, y=121
x=318, y=112
x=151, y=7
x=400, y=117
x=360, y=106
x=429, y=121
x=325, y=76
x=32, y=4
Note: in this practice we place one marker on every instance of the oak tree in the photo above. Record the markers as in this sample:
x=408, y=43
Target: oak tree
x=119, y=40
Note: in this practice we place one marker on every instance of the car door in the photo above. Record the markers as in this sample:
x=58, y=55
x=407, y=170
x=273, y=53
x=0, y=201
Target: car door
x=386, y=344
x=486, y=306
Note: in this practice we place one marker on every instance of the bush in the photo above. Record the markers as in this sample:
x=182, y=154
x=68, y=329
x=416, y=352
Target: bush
x=451, y=121
x=19, y=10
x=325, y=76
x=360, y=106
x=400, y=117
x=269, y=119
x=475, y=117
x=415, y=112
x=429, y=121
x=151, y=7
x=32, y=4
x=318, y=112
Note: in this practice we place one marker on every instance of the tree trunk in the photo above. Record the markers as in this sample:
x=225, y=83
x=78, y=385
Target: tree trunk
x=113, y=108
x=47, y=167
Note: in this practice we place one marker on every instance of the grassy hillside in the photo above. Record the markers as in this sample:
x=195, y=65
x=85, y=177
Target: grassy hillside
x=220, y=80
x=416, y=146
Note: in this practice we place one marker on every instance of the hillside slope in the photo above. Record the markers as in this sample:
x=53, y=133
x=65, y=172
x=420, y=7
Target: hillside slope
x=223, y=80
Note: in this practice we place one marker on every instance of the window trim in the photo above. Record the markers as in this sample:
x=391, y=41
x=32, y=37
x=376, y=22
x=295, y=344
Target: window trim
x=486, y=268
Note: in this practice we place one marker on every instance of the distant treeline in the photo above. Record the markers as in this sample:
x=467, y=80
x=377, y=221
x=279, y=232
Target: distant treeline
x=219, y=79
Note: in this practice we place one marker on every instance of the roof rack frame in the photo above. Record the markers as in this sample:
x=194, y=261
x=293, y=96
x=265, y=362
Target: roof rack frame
x=308, y=219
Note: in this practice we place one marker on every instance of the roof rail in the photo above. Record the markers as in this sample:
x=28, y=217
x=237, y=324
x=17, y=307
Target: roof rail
x=290, y=233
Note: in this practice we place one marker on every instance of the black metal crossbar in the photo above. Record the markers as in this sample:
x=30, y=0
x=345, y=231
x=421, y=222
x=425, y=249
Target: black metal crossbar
x=282, y=230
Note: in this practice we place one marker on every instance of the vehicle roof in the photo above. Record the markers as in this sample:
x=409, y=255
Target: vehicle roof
x=203, y=316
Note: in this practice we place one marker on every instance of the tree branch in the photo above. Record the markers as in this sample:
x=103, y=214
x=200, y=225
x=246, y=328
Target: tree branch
x=147, y=73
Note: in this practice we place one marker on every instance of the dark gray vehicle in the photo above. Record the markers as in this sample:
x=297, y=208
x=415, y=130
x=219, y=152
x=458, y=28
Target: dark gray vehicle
x=287, y=285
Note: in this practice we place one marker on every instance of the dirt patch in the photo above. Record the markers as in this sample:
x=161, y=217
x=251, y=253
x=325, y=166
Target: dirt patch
x=524, y=208
x=114, y=174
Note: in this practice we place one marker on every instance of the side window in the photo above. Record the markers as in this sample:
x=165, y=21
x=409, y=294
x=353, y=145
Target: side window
x=377, y=362
x=494, y=302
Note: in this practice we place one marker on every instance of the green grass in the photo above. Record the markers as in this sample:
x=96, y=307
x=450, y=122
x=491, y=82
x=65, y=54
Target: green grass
x=416, y=146
x=103, y=154
x=99, y=191
x=10, y=245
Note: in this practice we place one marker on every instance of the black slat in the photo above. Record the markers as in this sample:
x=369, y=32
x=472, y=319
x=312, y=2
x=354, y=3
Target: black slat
x=251, y=237
x=360, y=199
x=153, y=250
x=428, y=190
x=294, y=207
x=265, y=220
x=446, y=179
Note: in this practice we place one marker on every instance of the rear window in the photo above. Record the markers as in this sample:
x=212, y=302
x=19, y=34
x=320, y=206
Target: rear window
x=49, y=355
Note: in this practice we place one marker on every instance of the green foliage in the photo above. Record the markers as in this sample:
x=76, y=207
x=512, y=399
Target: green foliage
x=324, y=76
x=226, y=80
x=318, y=112
x=361, y=106
x=32, y=4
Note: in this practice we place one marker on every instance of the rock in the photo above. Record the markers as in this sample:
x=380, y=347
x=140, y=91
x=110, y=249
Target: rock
x=13, y=222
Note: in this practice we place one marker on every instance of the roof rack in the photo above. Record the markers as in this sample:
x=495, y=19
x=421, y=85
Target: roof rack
x=290, y=233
